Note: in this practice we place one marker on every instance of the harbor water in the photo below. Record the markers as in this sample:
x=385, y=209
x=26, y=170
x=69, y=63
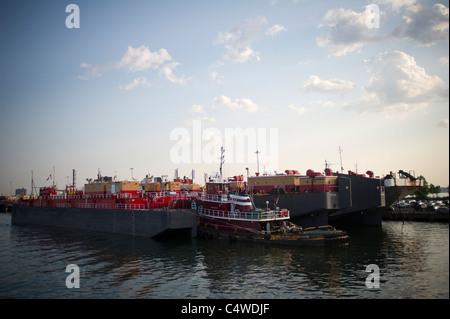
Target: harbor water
x=412, y=259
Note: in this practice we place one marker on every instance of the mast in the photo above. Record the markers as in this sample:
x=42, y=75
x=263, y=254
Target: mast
x=222, y=160
x=340, y=155
x=31, y=184
x=257, y=159
x=74, y=180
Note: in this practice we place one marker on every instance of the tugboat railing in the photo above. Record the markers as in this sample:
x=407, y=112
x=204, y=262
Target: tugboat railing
x=225, y=198
x=214, y=197
x=258, y=215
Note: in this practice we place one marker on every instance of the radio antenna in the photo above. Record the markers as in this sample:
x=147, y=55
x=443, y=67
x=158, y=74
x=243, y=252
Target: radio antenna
x=222, y=160
x=257, y=159
x=340, y=155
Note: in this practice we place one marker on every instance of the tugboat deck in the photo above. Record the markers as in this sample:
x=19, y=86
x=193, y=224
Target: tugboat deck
x=253, y=215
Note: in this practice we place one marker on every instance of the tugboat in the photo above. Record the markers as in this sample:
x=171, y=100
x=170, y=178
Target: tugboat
x=228, y=212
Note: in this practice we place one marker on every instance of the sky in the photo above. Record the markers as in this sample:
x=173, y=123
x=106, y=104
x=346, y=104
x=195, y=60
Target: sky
x=138, y=87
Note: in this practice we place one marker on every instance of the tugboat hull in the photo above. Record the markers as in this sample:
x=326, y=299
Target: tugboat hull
x=316, y=236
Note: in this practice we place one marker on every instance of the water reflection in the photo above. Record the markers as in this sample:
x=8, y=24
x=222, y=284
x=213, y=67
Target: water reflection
x=413, y=262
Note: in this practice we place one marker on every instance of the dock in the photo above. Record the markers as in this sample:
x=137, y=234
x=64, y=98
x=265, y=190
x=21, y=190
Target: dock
x=410, y=214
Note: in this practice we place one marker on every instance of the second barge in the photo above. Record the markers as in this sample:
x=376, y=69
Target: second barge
x=318, y=198
x=148, y=209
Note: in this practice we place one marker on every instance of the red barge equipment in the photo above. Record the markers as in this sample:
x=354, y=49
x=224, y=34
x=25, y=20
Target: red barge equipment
x=149, y=209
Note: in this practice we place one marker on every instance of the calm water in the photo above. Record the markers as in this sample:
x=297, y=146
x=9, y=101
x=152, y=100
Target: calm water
x=413, y=260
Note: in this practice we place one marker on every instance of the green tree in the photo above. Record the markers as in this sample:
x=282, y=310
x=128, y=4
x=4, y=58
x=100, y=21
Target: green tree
x=424, y=189
x=434, y=189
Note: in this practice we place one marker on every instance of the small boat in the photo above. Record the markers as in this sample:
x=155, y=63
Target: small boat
x=228, y=212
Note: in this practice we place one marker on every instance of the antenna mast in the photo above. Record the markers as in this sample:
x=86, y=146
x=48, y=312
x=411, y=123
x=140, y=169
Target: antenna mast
x=340, y=155
x=74, y=179
x=257, y=159
x=222, y=160
x=32, y=184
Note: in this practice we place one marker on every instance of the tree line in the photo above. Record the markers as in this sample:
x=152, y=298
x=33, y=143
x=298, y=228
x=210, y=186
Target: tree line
x=426, y=189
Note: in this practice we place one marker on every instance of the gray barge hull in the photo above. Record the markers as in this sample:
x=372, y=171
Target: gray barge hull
x=145, y=223
x=359, y=201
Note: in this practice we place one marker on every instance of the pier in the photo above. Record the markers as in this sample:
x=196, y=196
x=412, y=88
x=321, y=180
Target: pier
x=410, y=214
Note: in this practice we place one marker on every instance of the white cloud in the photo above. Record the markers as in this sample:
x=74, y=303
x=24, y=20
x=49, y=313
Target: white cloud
x=443, y=123
x=300, y=110
x=140, y=59
x=273, y=30
x=398, y=84
x=315, y=84
x=424, y=25
x=196, y=108
x=348, y=31
x=136, y=83
x=167, y=70
x=215, y=76
x=238, y=104
x=397, y=4
x=238, y=41
x=90, y=71
x=443, y=60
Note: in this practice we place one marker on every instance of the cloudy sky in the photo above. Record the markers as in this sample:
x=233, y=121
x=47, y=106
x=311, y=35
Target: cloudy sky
x=161, y=85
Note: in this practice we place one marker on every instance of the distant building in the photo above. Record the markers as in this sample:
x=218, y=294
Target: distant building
x=21, y=191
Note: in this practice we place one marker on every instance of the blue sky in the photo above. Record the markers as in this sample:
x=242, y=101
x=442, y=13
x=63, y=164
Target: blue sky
x=109, y=94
